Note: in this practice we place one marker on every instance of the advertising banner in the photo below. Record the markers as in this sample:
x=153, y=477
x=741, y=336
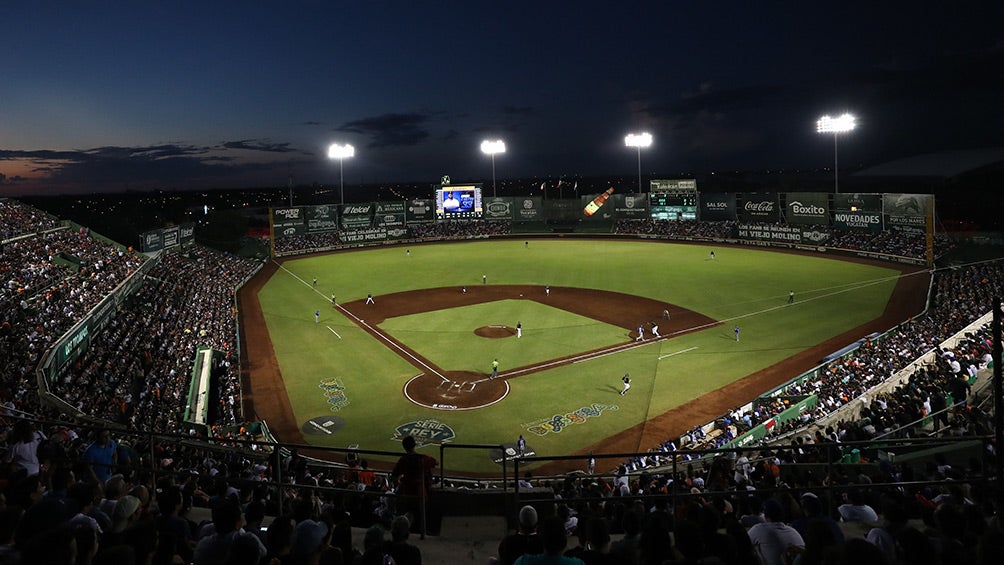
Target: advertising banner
x=287, y=216
x=857, y=202
x=672, y=185
x=153, y=241
x=859, y=221
x=498, y=208
x=629, y=205
x=321, y=218
x=782, y=233
x=187, y=233
x=357, y=215
x=361, y=235
x=420, y=211
x=806, y=208
x=170, y=237
x=285, y=231
x=389, y=214
x=717, y=206
x=759, y=207
x=527, y=209
x=907, y=212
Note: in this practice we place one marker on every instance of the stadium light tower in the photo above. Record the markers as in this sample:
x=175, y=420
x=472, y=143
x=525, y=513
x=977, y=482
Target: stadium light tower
x=836, y=126
x=638, y=140
x=340, y=152
x=489, y=147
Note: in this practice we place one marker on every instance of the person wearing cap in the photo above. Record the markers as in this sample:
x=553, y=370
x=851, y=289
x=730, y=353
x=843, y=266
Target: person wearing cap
x=524, y=541
x=773, y=539
x=310, y=537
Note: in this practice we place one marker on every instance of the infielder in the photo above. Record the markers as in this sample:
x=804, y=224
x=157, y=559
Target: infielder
x=317, y=316
x=519, y=330
x=626, y=379
x=736, y=330
x=655, y=329
x=369, y=299
x=521, y=445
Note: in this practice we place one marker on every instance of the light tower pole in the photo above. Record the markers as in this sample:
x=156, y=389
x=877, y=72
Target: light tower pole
x=638, y=140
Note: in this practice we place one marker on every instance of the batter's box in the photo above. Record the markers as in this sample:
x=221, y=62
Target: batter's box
x=446, y=384
x=468, y=387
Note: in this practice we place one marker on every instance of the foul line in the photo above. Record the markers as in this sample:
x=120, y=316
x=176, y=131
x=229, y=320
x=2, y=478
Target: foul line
x=334, y=332
x=677, y=352
x=404, y=352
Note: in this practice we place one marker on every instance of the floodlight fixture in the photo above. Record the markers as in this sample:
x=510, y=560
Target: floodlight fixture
x=491, y=148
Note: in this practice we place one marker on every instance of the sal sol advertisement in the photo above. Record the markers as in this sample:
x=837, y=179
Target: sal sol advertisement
x=717, y=206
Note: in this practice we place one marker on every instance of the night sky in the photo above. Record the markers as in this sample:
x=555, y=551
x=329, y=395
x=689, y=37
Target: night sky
x=111, y=96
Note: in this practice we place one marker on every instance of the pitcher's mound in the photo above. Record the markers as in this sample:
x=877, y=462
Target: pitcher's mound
x=495, y=331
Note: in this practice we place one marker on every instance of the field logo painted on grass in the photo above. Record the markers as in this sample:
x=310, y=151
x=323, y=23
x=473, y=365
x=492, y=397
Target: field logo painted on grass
x=558, y=422
x=425, y=432
x=334, y=390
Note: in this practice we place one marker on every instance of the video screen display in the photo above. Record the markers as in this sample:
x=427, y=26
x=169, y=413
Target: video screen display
x=458, y=201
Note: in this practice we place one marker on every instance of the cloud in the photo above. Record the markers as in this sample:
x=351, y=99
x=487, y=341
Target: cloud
x=390, y=130
x=259, y=145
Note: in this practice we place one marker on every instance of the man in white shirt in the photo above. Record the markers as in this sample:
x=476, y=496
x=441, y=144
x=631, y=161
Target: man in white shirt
x=773, y=538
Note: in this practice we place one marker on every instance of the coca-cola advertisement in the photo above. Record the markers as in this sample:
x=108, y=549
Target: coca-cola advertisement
x=759, y=207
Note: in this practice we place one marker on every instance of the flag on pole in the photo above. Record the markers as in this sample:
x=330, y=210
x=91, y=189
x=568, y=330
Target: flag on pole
x=542, y=185
x=559, y=183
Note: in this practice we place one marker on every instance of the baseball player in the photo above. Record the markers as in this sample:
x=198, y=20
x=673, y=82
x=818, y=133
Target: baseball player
x=591, y=463
x=315, y=282
x=791, y=296
x=519, y=330
x=369, y=299
x=317, y=316
x=484, y=279
x=626, y=379
x=495, y=368
x=521, y=445
x=333, y=301
x=547, y=291
x=736, y=331
x=641, y=334
x=655, y=329
x=712, y=255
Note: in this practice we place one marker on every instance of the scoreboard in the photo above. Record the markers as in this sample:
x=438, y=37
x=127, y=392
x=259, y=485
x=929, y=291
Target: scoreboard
x=673, y=205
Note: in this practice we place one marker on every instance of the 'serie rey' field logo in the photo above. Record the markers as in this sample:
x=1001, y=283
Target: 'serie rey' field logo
x=558, y=422
x=425, y=432
x=334, y=391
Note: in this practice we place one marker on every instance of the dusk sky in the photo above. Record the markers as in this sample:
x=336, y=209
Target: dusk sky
x=110, y=96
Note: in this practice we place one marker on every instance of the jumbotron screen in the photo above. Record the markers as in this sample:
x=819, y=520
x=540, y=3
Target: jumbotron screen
x=458, y=201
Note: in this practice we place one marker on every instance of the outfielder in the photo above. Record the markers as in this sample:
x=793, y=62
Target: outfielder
x=626, y=379
x=519, y=330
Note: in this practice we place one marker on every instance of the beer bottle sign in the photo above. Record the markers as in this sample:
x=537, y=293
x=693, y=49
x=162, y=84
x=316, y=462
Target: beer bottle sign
x=593, y=206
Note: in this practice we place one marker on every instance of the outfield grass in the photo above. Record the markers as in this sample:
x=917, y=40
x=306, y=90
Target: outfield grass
x=748, y=287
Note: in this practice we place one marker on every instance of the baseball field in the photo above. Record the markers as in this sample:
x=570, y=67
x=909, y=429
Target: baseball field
x=418, y=359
